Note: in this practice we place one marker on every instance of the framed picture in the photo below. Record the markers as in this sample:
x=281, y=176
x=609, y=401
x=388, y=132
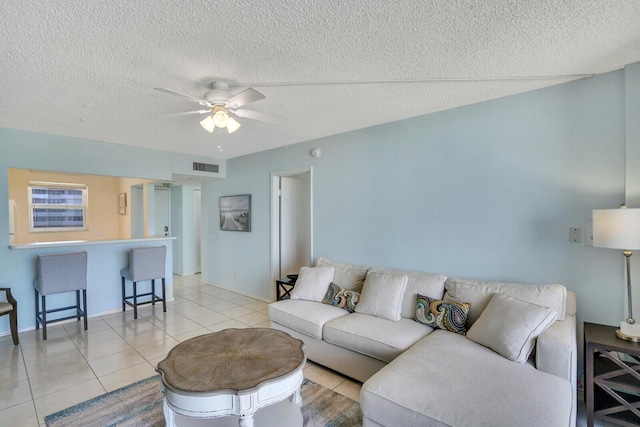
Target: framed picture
x=235, y=213
x=123, y=203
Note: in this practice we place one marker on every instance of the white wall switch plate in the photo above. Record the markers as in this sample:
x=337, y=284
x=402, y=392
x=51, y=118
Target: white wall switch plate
x=575, y=234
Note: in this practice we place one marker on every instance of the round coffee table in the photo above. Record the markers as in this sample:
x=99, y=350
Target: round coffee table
x=232, y=372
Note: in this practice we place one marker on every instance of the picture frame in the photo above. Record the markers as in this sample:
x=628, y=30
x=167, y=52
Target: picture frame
x=235, y=213
x=123, y=203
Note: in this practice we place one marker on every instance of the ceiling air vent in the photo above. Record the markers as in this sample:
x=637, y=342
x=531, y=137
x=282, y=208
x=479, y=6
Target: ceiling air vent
x=205, y=167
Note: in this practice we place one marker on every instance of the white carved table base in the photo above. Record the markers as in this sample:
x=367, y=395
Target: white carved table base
x=242, y=406
x=195, y=398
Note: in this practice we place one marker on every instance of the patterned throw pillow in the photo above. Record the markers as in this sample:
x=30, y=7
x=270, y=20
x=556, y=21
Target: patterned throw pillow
x=448, y=315
x=342, y=298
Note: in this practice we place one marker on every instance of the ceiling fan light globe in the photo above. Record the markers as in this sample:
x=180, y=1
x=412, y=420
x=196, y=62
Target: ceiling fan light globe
x=220, y=116
x=208, y=124
x=233, y=125
x=221, y=119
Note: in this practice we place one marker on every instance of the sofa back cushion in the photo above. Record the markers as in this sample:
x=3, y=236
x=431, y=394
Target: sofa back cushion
x=347, y=276
x=479, y=293
x=427, y=284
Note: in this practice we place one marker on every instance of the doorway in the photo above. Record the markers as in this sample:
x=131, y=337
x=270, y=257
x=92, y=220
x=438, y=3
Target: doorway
x=137, y=212
x=291, y=222
x=197, y=207
x=161, y=211
x=156, y=221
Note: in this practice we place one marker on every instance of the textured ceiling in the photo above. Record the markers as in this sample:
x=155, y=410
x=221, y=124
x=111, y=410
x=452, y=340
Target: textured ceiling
x=87, y=69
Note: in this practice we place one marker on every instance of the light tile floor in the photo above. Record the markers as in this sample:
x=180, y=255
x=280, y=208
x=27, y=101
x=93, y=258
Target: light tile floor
x=39, y=377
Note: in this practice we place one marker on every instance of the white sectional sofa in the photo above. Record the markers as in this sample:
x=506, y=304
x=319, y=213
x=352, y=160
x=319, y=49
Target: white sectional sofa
x=515, y=365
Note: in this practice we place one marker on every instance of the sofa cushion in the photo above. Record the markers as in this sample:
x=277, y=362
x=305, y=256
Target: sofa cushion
x=373, y=336
x=347, y=276
x=341, y=298
x=306, y=317
x=510, y=326
x=431, y=285
x=445, y=379
x=450, y=316
x=382, y=295
x=479, y=293
x=312, y=283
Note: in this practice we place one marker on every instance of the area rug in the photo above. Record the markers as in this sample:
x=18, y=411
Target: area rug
x=140, y=405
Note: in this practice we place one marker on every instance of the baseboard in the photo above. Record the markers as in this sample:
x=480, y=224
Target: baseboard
x=237, y=292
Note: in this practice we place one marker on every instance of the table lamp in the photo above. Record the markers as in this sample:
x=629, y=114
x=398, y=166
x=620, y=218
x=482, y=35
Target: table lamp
x=620, y=229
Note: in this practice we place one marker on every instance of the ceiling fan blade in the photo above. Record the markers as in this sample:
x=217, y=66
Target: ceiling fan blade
x=186, y=113
x=256, y=115
x=192, y=98
x=245, y=97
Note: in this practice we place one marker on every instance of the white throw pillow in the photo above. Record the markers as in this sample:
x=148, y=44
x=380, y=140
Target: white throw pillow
x=312, y=283
x=382, y=295
x=510, y=326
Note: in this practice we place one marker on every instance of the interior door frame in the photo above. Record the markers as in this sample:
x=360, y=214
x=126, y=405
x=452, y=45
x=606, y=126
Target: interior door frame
x=275, y=220
x=197, y=213
x=136, y=211
x=155, y=212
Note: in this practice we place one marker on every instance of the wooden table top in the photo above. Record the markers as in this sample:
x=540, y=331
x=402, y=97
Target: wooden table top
x=605, y=336
x=231, y=360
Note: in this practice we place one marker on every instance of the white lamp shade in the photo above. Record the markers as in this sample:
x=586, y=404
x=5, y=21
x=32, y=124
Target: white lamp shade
x=208, y=124
x=616, y=228
x=233, y=125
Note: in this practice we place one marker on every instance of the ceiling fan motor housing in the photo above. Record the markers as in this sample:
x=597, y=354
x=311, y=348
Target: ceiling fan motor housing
x=218, y=95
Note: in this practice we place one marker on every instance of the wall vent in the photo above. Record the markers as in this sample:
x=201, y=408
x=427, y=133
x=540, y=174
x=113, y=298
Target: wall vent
x=205, y=167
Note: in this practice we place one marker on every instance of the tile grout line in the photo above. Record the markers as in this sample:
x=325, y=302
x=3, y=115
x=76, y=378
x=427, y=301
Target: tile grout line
x=33, y=400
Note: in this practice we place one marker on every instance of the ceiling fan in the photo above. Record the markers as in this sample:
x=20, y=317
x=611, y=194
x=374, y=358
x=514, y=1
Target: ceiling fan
x=221, y=105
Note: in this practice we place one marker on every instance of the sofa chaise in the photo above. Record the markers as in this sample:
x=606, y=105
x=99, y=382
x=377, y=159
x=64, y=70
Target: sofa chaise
x=438, y=351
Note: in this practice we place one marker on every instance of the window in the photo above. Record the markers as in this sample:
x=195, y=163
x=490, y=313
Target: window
x=57, y=206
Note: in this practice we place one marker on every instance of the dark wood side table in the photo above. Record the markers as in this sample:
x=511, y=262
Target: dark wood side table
x=612, y=385
x=284, y=287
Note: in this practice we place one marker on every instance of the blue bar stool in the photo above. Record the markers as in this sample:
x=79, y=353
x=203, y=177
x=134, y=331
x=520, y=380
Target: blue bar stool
x=59, y=273
x=144, y=264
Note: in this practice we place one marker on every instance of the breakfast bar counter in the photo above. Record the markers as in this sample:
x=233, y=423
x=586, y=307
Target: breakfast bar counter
x=105, y=260
x=67, y=243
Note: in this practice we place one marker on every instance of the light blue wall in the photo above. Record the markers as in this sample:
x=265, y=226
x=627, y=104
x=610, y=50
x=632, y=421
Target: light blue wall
x=487, y=191
x=32, y=150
